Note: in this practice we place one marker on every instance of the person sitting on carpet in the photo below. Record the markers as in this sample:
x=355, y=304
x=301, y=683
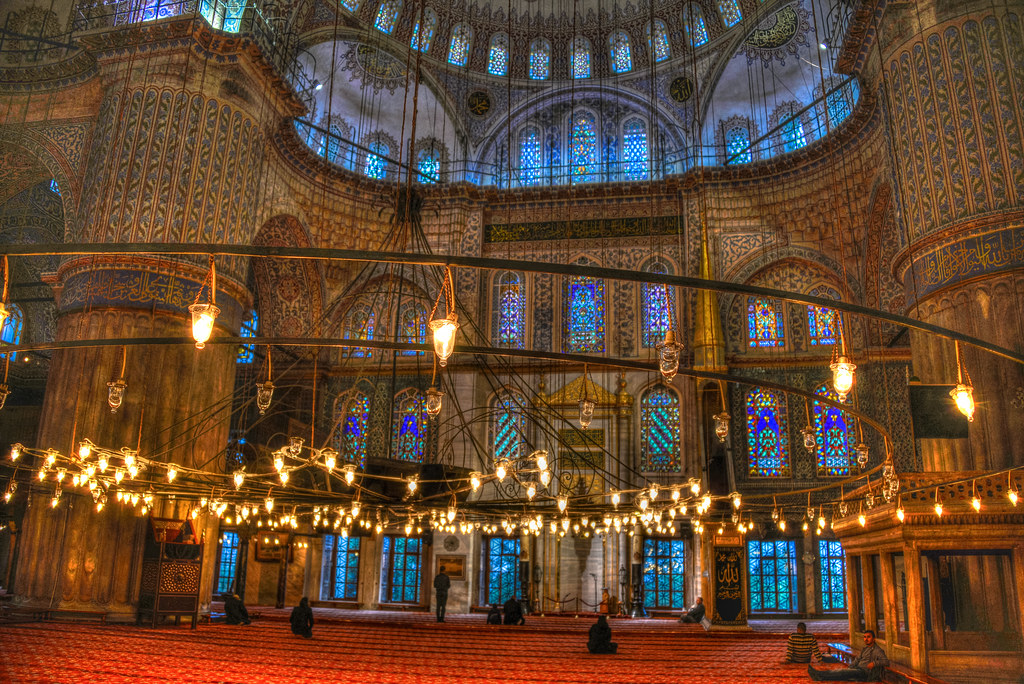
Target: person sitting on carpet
x=866, y=667
x=696, y=612
x=801, y=646
x=514, y=612
x=601, y=637
x=494, y=617
x=302, y=619
x=235, y=611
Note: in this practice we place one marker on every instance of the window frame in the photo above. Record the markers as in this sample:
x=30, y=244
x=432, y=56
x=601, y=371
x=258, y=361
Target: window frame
x=791, y=572
x=387, y=584
x=487, y=572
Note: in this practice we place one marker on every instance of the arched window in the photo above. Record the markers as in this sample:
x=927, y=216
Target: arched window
x=250, y=328
x=159, y=9
x=696, y=29
x=359, y=325
x=635, y=154
x=657, y=307
x=409, y=431
x=376, y=165
x=508, y=424
x=737, y=145
x=622, y=56
x=350, y=5
x=412, y=326
x=766, y=434
x=833, y=435
x=792, y=133
x=226, y=16
x=387, y=15
x=833, y=575
x=353, y=417
x=428, y=165
x=764, y=324
x=509, y=310
x=458, y=51
x=583, y=313
x=583, y=148
x=540, y=59
x=333, y=150
x=11, y=331
x=422, y=39
x=822, y=322
x=497, y=57
x=659, y=430
x=529, y=156
x=730, y=11
x=657, y=40
x=580, y=51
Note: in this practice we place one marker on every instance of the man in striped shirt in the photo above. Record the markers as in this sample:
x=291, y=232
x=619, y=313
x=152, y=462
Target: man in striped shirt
x=801, y=646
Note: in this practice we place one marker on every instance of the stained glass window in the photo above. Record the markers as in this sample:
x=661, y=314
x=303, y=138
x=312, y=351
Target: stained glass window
x=764, y=324
x=822, y=325
x=10, y=332
x=657, y=307
x=540, y=59
x=622, y=55
x=509, y=306
x=838, y=106
x=664, y=573
x=160, y=9
x=350, y=5
x=583, y=148
x=730, y=11
x=428, y=165
x=529, y=156
x=341, y=568
x=333, y=150
x=54, y=188
x=387, y=15
x=696, y=29
x=226, y=16
x=497, y=57
x=834, y=437
x=359, y=325
x=376, y=165
x=583, y=314
x=833, y=575
x=421, y=40
x=634, y=150
x=737, y=145
x=458, y=51
x=659, y=430
x=766, y=435
x=412, y=327
x=250, y=328
x=401, y=564
x=501, y=568
x=227, y=563
x=580, y=58
x=771, y=569
x=658, y=42
x=508, y=424
x=353, y=419
x=793, y=134
x=409, y=432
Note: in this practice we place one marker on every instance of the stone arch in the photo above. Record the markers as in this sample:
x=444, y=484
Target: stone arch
x=290, y=291
x=34, y=157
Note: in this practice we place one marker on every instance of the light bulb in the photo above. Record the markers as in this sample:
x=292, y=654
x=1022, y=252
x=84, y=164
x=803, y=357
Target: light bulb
x=444, y=337
x=85, y=449
x=842, y=376
x=976, y=503
x=586, y=412
x=90, y=470
x=938, y=508
x=355, y=509
x=412, y=484
x=675, y=494
x=51, y=457
x=433, y=402
x=239, y=478
x=695, y=486
x=900, y=514
x=269, y=503
x=1013, y=496
x=102, y=463
x=278, y=462
x=736, y=500
x=330, y=458
x=531, y=491
x=133, y=470
x=963, y=395
x=565, y=524
x=172, y=472
x=862, y=519
x=41, y=474
x=474, y=480
x=643, y=502
x=563, y=502
x=350, y=473
x=284, y=477
x=264, y=394
x=545, y=477
x=616, y=497
x=654, y=491
x=782, y=524
x=16, y=451
x=203, y=317
x=805, y=526
x=129, y=456
x=501, y=470
x=451, y=513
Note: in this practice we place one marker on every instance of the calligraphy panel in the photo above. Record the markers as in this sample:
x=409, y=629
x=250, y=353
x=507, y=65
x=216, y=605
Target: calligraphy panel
x=728, y=586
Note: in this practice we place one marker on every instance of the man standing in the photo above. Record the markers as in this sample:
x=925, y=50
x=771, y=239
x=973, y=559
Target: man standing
x=801, y=646
x=866, y=667
x=441, y=586
x=696, y=612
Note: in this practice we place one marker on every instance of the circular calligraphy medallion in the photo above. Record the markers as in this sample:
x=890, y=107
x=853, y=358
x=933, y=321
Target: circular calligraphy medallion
x=479, y=103
x=681, y=89
x=451, y=543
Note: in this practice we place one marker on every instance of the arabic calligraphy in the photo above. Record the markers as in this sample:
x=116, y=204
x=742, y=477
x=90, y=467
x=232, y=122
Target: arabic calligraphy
x=966, y=258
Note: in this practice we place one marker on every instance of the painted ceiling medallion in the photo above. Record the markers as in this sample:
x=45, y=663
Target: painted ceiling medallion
x=681, y=89
x=479, y=103
x=375, y=67
x=778, y=36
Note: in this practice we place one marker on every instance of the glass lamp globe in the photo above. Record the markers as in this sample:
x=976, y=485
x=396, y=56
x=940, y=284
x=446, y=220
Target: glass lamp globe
x=586, y=412
x=722, y=426
x=264, y=393
x=963, y=395
x=809, y=438
x=668, y=356
x=842, y=376
x=330, y=458
x=862, y=455
x=115, y=394
x=444, y=337
x=541, y=457
x=203, y=317
x=433, y=403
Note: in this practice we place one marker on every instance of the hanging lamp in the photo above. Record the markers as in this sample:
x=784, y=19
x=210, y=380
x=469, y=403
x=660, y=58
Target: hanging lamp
x=204, y=315
x=445, y=328
x=963, y=393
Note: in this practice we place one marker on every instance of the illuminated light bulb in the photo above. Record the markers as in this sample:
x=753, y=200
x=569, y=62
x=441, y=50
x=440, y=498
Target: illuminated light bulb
x=264, y=394
x=172, y=472
x=782, y=524
x=563, y=503
x=842, y=376
x=61, y=472
x=675, y=494
x=269, y=504
x=706, y=501
x=722, y=426
x=102, y=463
x=900, y=514
x=736, y=500
x=616, y=497
x=553, y=527
x=721, y=530
x=355, y=509
x=350, y=473
x=16, y=449
x=682, y=510
x=76, y=479
x=861, y=518
x=821, y=522
x=643, y=502
x=239, y=478
x=99, y=506
x=408, y=530
x=41, y=474
x=378, y=529
x=963, y=395
x=654, y=491
x=444, y=337
x=565, y=524
x=203, y=317
x=586, y=412
x=278, y=461
x=85, y=449
x=134, y=499
x=474, y=480
x=133, y=470
x=144, y=510
x=672, y=513
x=805, y=526
x=51, y=457
x=330, y=458
x=545, y=477
x=541, y=457
x=90, y=470
x=284, y=477
x=451, y=513
x=976, y=503
x=695, y=486
x=531, y=491
x=412, y=484
x=129, y=456
x=433, y=402
x=55, y=500
x=115, y=394
x=668, y=355
x=938, y=508
x=501, y=470
x=1013, y=496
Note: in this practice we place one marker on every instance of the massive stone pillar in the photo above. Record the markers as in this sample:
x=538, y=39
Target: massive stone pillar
x=953, y=79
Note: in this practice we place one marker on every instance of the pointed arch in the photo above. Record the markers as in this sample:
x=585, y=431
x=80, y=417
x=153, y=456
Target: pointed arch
x=657, y=40
x=580, y=50
x=508, y=310
x=767, y=436
x=621, y=52
x=423, y=31
x=409, y=426
x=659, y=430
x=583, y=324
x=507, y=426
x=657, y=306
x=583, y=148
x=695, y=26
x=833, y=435
x=458, y=49
x=765, y=323
x=352, y=418
x=497, y=56
x=540, y=59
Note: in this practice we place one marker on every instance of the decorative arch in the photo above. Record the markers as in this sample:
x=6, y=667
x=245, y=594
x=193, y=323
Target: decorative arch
x=352, y=423
x=620, y=51
x=508, y=310
x=507, y=424
x=795, y=130
x=660, y=437
x=423, y=31
x=289, y=291
x=767, y=434
x=540, y=59
x=733, y=138
x=583, y=312
x=459, y=46
x=409, y=426
x=657, y=305
x=373, y=161
x=833, y=435
x=581, y=55
x=497, y=55
x=431, y=155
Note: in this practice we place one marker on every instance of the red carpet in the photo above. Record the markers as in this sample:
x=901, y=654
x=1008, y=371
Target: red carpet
x=391, y=647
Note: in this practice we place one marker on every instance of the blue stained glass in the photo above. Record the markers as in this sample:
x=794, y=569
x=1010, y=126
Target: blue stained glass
x=227, y=563
x=10, y=332
x=771, y=569
x=346, y=568
x=737, y=145
x=540, y=59
x=664, y=573
x=634, y=150
x=833, y=575
x=412, y=321
x=160, y=9
x=502, y=569
x=766, y=435
x=838, y=107
x=421, y=40
x=834, y=437
x=529, y=156
x=387, y=15
x=696, y=29
x=409, y=432
x=822, y=325
x=350, y=5
x=429, y=166
x=332, y=145
x=659, y=41
x=622, y=56
x=793, y=134
x=400, y=565
x=584, y=314
x=583, y=149
x=458, y=51
x=376, y=166
x=54, y=188
x=354, y=414
x=510, y=306
x=581, y=58
x=497, y=58
x=657, y=307
x=659, y=431
x=730, y=11
x=359, y=325
x=226, y=16
x=250, y=328
x=764, y=324
x=508, y=424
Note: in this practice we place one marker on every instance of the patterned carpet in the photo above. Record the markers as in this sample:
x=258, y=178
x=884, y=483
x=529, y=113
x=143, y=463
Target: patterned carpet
x=350, y=646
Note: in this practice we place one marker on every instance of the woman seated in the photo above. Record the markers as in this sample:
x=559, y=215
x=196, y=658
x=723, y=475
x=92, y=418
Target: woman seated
x=601, y=637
